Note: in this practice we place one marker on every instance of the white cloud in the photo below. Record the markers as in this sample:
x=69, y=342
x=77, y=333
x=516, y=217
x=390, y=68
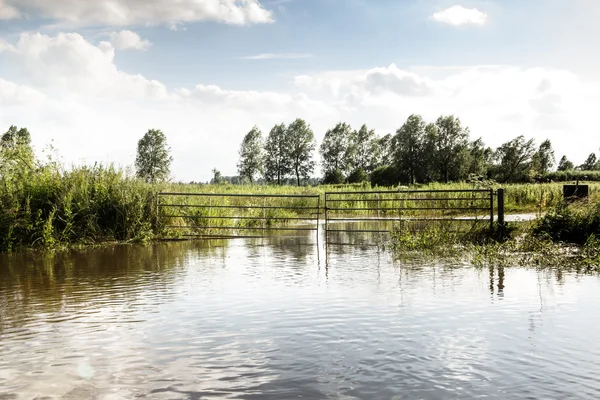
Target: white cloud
x=128, y=40
x=459, y=15
x=283, y=56
x=131, y=12
x=8, y=12
x=70, y=90
x=69, y=63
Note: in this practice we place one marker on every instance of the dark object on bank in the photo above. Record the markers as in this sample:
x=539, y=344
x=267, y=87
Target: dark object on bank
x=575, y=192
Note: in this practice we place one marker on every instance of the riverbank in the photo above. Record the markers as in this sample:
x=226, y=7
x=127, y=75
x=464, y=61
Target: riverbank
x=46, y=206
x=568, y=237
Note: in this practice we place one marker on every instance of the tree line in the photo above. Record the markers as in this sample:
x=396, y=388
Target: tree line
x=419, y=152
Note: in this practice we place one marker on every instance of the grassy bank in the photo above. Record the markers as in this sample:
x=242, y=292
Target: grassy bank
x=568, y=236
x=43, y=205
x=48, y=207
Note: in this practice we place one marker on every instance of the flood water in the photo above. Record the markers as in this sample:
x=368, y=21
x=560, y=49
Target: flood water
x=286, y=318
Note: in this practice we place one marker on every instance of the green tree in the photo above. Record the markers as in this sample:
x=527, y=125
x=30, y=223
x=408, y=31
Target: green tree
x=15, y=145
x=301, y=145
x=544, y=160
x=516, y=157
x=153, y=161
x=334, y=149
x=590, y=164
x=251, y=155
x=409, y=142
x=451, y=144
x=384, y=151
x=361, y=148
x=277, y=155
x=217, y=178
x=477, y=158
x=565, y=165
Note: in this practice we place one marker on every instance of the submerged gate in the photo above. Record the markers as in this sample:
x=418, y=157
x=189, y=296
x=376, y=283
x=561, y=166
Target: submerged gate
x=228, y=216
x=383, y=211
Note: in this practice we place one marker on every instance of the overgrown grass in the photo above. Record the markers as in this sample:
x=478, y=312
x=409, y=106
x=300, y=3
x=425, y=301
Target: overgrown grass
x=48, y=207
x=567, y=237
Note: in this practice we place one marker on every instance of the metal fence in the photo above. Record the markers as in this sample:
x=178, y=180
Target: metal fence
x=383, y=211
x=224, y=215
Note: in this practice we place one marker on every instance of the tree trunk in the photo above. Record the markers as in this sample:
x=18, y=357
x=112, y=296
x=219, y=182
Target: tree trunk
x=297, y=176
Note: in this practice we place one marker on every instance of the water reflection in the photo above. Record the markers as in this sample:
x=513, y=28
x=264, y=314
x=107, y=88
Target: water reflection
x=283, y=317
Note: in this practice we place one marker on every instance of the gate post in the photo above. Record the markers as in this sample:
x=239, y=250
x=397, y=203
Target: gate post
x=501, y=208
x=492, y=210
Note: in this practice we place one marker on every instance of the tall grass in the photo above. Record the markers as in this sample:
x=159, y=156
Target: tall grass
x=49, y=207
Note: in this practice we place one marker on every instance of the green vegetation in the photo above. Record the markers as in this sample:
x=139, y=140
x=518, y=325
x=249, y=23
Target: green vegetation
x=153, y=161
x=568, y=237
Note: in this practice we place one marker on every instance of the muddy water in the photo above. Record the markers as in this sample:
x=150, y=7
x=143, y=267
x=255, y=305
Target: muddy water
x=285, y=318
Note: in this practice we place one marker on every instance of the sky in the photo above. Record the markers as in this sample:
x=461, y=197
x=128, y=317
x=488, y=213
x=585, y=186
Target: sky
x=89, y=78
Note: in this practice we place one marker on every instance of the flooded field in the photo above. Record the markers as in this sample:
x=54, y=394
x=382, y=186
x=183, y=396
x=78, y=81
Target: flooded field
x=286, y=317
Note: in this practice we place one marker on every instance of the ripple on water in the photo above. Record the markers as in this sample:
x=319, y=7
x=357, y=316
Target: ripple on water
x=278, y=319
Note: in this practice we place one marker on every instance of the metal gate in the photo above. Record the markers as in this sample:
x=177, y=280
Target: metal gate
x=381, y=211
x=226, y=216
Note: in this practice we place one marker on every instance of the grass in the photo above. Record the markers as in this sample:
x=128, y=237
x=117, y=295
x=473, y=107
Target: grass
x=567, y=237
x=43, y=205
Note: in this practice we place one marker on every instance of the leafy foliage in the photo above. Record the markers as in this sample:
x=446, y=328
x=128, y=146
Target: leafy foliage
x=300, y=142
x=277, y=160
x=251, y=155
x=153, y=161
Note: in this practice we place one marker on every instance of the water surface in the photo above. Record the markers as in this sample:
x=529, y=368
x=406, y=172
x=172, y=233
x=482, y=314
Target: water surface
x=285, y=318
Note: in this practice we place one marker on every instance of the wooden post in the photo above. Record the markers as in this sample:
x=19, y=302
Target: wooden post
x=491, y=210
x=501, y=208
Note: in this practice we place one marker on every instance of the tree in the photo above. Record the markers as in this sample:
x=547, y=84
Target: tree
x=516, y=159
x=477, y=158
x=334, y=149
x=301, y=145
x=409, y=143
x=251, y=155
x=153, y=161
x=384, y=151
x=276, y=155
x=360, y=150
x=451, y=142
x=544, y=160
x=217, y=178
x=590, y=164
x=565, y=165
x=15, y=144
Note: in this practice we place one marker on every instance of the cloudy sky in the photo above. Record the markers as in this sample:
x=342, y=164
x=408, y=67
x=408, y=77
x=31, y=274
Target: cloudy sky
x=93, y=76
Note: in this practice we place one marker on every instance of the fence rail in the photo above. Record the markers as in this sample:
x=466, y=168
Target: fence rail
x=359, y=211
x=226, y=215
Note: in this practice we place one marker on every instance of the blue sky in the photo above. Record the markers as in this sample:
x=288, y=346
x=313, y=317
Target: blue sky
x=93, y=76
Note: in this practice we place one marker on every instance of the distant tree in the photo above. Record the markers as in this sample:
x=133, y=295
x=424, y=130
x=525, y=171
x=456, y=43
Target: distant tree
x=516, y=159
x=334, y=149
x=544, y=160
x=301, y=145
x=251, y=155
x=451, y=143
x=409, y=143
x=384, y=151
x=277, y=155
x=359, y=175
x=153, y=161
x=565, y=165
x=477, y=158
x=334, y=177
x=217, y=178
x=590, y=164
x=361, y=148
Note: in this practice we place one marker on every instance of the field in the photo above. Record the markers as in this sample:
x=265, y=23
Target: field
x=52, y=208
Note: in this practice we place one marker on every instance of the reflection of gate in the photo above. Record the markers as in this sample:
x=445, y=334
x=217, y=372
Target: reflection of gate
x=383, y=211
x=216, y=215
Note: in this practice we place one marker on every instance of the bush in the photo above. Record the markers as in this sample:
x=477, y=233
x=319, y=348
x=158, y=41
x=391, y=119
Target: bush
x=358, y=176
x=571, y=223
x=384, y=176
x=333, y=177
